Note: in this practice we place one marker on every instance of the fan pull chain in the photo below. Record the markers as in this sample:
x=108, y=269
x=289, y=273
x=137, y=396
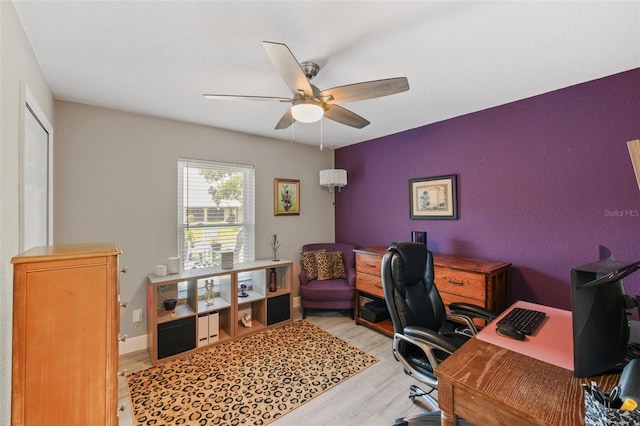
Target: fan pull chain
x=321, y=134
x=293, y=122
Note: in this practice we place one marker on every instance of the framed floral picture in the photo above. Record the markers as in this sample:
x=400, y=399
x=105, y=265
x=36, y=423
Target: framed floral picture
x=286, y=197
x=433, y=198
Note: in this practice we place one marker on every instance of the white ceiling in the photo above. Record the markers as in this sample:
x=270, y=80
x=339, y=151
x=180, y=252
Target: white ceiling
x=159, y=57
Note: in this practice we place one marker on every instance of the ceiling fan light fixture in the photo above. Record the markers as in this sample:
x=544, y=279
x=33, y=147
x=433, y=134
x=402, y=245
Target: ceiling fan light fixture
x=307, y=111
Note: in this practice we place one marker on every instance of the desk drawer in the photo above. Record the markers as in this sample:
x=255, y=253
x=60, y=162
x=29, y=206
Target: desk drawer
x=450, y=298
x=369, y=284
x=467, y=284
x=369, y=264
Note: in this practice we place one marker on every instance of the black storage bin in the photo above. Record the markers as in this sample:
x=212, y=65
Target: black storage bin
x=176, y=336
x=374, y=311
x=278, y=309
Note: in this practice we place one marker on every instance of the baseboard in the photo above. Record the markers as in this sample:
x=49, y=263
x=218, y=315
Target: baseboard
x=133, y=344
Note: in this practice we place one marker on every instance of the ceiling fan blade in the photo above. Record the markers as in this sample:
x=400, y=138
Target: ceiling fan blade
x=286, y=120
x=344, y=116
x=366, y=90
x=245, y=98
x=288, y=67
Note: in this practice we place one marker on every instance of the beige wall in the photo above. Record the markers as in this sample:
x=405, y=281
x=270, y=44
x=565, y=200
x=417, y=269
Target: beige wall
x=115, y=179
x=18, y=67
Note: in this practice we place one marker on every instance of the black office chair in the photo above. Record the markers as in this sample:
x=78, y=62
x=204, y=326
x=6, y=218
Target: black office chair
x=424, y=333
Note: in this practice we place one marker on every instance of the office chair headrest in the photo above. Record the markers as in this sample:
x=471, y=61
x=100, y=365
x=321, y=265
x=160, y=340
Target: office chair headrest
x=412, y=263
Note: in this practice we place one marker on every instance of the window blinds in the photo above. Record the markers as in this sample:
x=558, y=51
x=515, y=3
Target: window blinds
x=216, y=212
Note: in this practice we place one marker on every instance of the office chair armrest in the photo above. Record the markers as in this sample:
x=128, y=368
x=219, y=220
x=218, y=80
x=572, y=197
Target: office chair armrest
x=465, y=312
x=473, y=311
x=431, y=338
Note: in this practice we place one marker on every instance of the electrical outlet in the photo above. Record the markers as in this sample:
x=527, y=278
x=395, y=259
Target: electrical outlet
x=137, y=315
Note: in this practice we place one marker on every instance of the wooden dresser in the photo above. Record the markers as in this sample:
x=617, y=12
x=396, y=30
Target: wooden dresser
x=66, y=319
x=459, y=279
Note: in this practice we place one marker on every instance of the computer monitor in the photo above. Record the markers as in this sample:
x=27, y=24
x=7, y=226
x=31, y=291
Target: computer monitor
x=600, y=317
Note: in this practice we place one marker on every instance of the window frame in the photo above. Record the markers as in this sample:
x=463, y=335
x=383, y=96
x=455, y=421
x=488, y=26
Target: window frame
x=246, y=252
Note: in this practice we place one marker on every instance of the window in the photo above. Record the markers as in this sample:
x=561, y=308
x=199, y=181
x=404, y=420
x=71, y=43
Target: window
x=215, y=212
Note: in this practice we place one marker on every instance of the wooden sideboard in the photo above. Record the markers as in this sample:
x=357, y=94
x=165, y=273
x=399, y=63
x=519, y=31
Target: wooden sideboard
x=66, y=319
x=459, y=279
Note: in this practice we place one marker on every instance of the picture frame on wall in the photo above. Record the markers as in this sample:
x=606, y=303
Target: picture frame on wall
x=286, y=197
x=433, y=198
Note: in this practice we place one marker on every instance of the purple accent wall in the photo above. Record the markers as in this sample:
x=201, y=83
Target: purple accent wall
x=542, y=183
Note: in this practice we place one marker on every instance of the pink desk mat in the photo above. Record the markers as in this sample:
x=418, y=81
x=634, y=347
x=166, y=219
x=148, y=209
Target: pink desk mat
x=552, y=342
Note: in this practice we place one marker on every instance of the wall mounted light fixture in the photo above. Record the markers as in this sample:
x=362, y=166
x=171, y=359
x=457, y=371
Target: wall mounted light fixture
x=333, y=179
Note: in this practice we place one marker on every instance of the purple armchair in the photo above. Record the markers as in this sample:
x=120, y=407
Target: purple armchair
x=334, y=293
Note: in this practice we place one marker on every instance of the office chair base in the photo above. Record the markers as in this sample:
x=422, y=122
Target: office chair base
x=426, y=419
x=423, y=399
x=419, y=419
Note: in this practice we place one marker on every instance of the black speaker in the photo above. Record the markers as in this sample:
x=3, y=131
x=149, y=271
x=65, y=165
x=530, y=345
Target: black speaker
x=419, y=237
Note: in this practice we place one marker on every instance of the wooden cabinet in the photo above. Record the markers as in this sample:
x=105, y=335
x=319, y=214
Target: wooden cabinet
x=459, y=279
x=66, y=318
x=476, y=281
x=199, y=320
x=369, y=286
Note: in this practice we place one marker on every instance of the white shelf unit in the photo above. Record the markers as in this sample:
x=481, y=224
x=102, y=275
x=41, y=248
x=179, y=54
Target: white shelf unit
x=174, y=333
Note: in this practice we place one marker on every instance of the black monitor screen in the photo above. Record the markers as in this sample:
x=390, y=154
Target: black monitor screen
x=600, y=319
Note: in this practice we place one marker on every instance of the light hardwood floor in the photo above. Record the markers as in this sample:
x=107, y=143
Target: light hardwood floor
x=375, y=396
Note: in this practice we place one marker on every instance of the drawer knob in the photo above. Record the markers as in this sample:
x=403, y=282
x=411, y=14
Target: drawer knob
x=369, y=265
x=454, y=282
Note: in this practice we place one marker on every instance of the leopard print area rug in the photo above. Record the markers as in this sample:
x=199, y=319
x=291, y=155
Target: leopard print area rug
x=251, y=381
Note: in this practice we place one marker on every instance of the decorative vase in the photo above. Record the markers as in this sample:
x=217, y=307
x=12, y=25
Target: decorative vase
x=208, y=292
x=275, y=244
x=273, y=280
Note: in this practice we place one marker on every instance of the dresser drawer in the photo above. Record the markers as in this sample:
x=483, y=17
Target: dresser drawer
x=369, y=264
x=451, y=298
x=470, y=285
x=370, y=284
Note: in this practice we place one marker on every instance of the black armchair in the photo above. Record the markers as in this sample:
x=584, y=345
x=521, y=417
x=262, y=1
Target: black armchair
x=424, y=332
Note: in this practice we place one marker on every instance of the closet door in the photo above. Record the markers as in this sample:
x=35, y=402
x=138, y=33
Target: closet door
x=35, y=176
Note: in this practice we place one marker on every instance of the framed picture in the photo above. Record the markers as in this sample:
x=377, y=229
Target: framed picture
x=286, y=197
x=433, y=198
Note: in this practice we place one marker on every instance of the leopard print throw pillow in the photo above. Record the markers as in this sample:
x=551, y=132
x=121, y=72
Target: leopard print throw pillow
x=310, y=264
x=330, y=265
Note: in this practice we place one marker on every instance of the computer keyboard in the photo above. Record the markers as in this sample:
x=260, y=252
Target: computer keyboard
x=525, y=320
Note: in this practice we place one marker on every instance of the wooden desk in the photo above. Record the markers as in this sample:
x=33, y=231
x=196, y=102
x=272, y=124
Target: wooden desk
x=487, y=385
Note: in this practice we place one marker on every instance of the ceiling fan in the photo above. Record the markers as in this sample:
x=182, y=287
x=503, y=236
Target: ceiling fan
x=310, y=104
